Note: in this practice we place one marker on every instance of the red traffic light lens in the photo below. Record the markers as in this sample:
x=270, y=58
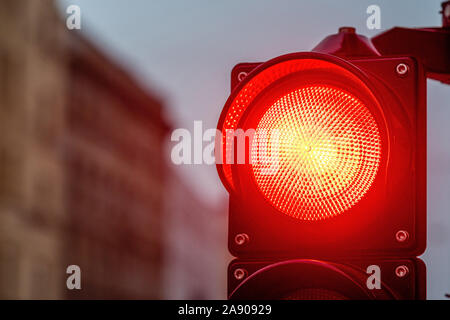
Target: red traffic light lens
x=316, y=152
x=237, y=104
x=331, y=142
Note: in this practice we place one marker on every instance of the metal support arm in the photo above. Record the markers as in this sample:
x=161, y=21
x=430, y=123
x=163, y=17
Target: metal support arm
x=430, y=45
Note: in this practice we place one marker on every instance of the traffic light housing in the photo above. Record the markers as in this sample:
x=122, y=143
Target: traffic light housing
x=371, y=203
x=345, y=279
x=323, y=154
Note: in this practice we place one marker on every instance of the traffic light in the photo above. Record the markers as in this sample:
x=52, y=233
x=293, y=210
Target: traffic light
x=323, y=154
x=345, y=279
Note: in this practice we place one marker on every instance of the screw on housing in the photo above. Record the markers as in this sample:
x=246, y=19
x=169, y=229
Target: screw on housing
x=401, y=271
x=402, y=69
x=241, y=239
x=241, y=76
x=402, y=236
x=240, y=273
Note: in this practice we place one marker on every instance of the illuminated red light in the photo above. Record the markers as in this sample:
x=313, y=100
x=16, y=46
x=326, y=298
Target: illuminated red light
x=234, y=111
x=325, y=156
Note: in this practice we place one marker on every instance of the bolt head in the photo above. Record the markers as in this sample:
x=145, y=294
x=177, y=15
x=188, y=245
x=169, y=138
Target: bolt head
x=241, y=239
x=402, y=235
x=240, y=273
x=401, y=271
x=402, y=69
x=241, y=75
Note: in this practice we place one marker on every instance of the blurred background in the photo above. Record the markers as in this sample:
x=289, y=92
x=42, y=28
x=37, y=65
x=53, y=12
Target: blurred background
x=86, y=117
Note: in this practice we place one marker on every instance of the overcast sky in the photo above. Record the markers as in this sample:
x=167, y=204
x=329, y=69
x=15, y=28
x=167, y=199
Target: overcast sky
x=184, y=50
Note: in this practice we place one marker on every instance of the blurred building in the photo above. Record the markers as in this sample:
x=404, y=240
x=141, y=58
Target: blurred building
x=81, y=170
x=195, y=251
x=33, y=79
x=84, y=179
x=115, y=173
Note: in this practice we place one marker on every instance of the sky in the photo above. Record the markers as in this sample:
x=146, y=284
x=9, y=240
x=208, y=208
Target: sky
x=183, y=51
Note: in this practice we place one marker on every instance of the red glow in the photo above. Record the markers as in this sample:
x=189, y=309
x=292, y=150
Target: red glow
x=235, y=108
x=252, y=89
x=326, y=156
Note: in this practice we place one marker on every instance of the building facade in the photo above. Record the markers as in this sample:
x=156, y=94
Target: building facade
x=33, y=86
x=84, y=177
x=115, y=173
x=80, y=165
x=196, y=255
